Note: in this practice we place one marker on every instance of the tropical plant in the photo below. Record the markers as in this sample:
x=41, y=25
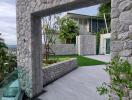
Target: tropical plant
x=2, y=59
x=120, y=72
x=104, y=8
x=68, y=29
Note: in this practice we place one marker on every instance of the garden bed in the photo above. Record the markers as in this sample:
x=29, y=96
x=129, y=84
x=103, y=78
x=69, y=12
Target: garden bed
x=56, y=59
x=81, y=61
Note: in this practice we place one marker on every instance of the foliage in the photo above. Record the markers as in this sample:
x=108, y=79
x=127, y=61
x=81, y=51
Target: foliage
x=7, y=61
x=68, y=29
x=104, y=9
x=49, y=35
x=120, y=72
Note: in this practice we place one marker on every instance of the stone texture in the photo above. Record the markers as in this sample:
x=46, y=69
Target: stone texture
x=116, y=46
x=115, y=3
x=125, y=53
x=125, y=5
x=127, y=44
x=55, y=71
x=126, y=17
x=123, y=36
x=115, y=12
x=115, y=25
x=130, y=28
x=122, y=29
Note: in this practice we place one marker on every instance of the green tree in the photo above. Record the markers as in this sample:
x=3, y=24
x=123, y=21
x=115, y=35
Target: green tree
x=7, y=61
x=120, y=72
x=68, y=29
x=104, y=8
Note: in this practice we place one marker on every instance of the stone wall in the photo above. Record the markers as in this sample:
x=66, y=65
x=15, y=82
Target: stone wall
x=122, y=29
x=55, y=71
x=64, y=49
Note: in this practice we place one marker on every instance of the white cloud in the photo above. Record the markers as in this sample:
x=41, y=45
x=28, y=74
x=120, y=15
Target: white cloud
x=8, y=22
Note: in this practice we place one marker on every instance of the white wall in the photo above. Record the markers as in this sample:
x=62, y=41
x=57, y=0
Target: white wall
x=103, y=42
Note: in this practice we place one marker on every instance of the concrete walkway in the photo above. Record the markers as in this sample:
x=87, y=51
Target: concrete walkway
x=78, y=85
x=104, y=58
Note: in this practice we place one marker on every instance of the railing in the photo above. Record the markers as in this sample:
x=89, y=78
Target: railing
x=9, y=87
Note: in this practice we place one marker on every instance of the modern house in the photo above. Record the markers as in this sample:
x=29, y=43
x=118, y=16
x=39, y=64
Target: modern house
x=88, y=25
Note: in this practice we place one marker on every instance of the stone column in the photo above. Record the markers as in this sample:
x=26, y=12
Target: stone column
x=122, y=29
x=29, y=56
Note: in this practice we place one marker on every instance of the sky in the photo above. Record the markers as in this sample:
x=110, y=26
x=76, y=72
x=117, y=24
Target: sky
x=8, y=19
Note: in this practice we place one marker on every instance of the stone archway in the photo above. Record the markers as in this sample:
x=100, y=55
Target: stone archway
x=29, y=13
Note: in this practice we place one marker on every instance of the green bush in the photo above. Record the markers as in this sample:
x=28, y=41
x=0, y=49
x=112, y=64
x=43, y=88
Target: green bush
x=68, y=30
x=7, y=61
x=120, y=72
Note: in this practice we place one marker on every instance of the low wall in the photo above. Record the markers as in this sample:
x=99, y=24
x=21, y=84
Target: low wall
x=64, y=49
x=55, y=71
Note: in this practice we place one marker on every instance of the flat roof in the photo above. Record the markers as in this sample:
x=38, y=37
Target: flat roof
x=75, y=15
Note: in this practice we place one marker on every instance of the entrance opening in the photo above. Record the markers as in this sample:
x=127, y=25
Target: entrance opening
x=107, y=46
x=79, y=26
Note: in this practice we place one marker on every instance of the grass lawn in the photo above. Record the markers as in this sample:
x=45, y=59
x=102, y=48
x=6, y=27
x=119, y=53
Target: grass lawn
x=82, y=61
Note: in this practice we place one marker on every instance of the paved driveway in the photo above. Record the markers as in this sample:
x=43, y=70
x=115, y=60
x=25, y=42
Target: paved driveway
x=78, y=85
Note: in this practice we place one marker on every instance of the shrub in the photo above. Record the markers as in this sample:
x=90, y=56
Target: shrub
x=68, y=30
x=7, y=61
x=120, y=72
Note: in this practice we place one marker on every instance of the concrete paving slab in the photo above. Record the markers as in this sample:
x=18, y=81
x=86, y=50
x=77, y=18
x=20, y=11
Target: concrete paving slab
x=80, y=84
x=104, y=58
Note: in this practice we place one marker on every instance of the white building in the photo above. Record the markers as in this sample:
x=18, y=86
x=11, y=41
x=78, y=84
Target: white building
x=85, y=43
x=88, y=24
x=105, y=43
